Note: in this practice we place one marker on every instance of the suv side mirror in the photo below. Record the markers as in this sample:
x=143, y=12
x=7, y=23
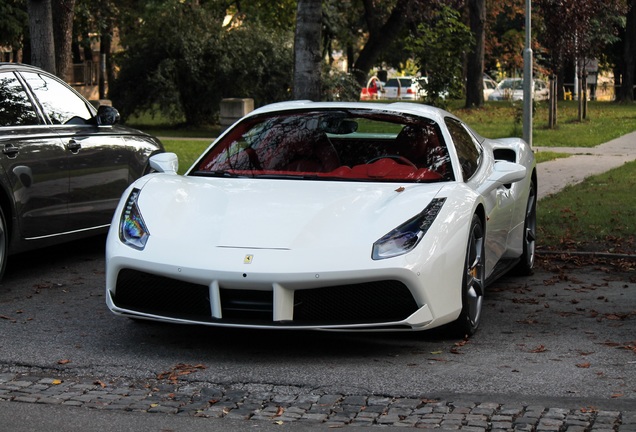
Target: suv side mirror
x=107, y=115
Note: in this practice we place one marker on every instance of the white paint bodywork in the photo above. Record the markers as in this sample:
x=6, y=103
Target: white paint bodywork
x=285, y=235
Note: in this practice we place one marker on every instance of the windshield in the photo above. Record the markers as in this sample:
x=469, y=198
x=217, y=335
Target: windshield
x=515, y=84
x=399, y=82
x=352, y=145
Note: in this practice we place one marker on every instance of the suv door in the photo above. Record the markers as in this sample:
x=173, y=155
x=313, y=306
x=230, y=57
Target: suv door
x=97, y=158
x=33, y=162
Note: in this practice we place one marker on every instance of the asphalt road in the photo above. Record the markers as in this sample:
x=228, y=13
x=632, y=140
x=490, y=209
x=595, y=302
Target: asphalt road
x=566, y=336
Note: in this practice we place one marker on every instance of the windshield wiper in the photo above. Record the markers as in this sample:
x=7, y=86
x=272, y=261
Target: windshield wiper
x=218, y=173
x=298, y=176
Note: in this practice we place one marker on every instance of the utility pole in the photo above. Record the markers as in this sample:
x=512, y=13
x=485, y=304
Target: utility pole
x=527, y=78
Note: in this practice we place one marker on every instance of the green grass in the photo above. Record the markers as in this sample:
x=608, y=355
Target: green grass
x=605, y=121
x=187, y=150
x=544, y=156
x=596, y=215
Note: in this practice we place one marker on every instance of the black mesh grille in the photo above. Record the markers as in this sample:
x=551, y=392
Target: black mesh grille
x=247, y=305
x=163, y=296
x=372, y=302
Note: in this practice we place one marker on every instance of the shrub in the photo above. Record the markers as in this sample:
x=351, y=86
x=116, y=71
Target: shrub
x=182, y=62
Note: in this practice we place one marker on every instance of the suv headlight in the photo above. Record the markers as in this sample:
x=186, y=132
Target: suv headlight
x=405, y=237
x=132, y=228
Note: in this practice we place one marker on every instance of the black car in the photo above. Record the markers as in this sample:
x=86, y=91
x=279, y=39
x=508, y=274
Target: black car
x=64, y=163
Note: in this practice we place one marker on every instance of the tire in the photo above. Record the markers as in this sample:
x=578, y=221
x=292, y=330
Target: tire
x=473, y=282
x=4, y=243
x=526, y=262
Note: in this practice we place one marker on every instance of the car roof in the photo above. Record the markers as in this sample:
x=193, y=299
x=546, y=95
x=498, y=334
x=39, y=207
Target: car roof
x=21, y=66
x=428, y=111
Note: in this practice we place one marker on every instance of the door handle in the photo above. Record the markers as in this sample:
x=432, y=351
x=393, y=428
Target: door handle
x=10, y=150
x=73, y=146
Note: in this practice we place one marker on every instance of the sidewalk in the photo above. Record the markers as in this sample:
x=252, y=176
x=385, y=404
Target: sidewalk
x=556, y=174
x=35, y=401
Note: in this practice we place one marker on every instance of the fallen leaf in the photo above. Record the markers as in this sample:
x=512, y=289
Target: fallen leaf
x=56, y=382
x=539, y=349
x=280, y=411
x=532, y=301
x=99, y=383
x=179, y=370
x=63, y=362
x=583, y=365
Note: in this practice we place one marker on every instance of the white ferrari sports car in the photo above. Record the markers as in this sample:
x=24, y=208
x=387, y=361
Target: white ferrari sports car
x=330, y=216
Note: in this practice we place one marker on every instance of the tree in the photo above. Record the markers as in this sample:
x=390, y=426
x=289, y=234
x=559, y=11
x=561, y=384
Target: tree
x=571, y=36
x=475, y=57
x=504, y=41
x=626, y=90
x=180, y=60
x=307, y=54
x=41, y=31
x=14, y=21
x=381, y=33
x=62, y=15
x=439, y=46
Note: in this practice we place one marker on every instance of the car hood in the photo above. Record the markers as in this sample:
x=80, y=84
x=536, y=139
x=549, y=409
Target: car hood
x=275, y=213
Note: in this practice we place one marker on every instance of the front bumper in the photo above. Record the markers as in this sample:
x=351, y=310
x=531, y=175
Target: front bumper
x=366, y=303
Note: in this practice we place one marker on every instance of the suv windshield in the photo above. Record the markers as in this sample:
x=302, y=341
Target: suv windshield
x=352, y=145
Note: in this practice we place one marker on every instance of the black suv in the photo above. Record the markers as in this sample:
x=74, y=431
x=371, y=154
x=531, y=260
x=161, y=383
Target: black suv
x=64, y=164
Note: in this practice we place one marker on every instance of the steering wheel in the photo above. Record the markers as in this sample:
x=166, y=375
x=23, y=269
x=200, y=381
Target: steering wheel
x=399, y=159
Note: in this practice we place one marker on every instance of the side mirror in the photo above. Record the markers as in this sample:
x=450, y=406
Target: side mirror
x=165, y=163
x=107, y=115
x=505, y=173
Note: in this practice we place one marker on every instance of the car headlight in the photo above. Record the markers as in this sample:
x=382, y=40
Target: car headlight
x=405, y=237
x=132, y=228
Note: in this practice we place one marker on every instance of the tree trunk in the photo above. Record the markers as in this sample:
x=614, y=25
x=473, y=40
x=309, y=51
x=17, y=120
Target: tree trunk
x=104, y=62
x=307, y=58
x=63, y=37
x=475, y=64
x=379, y=37
x=552, y=113
x=41, y=30
x=626, y=93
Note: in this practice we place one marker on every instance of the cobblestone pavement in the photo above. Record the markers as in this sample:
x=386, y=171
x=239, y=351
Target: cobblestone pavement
x=277, y=405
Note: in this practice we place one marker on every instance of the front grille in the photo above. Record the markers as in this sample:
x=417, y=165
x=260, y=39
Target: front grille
x=158, y=295
x=372, y=302
x=247, y=305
